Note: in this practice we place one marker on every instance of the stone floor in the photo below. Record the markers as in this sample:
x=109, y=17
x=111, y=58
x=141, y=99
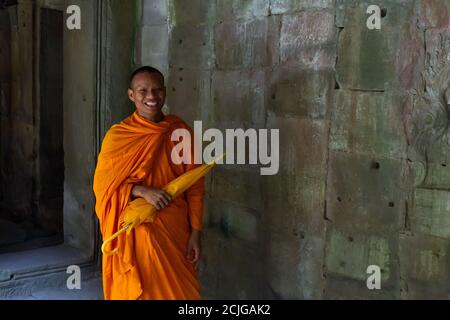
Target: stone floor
x=90, y=290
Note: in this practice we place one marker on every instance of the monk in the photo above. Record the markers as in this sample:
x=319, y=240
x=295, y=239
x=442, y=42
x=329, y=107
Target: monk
x=157, y=260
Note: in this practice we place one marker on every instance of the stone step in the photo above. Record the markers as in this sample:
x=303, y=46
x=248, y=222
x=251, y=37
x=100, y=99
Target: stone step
x=90, y=290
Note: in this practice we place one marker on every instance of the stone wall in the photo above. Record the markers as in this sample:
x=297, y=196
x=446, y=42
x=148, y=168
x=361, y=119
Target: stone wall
x=80, y=123
x=364, y=148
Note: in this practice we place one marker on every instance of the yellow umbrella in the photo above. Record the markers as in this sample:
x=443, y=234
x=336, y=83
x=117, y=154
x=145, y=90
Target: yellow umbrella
x=139, y=210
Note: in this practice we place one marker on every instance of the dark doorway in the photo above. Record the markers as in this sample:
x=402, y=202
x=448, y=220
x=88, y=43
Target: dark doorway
x=33, y=220
x=51, y=153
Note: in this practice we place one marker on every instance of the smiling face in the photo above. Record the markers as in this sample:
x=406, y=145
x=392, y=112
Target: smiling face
x=148, y=94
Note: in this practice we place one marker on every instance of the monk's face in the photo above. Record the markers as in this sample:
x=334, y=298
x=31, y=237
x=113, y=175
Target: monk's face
x=148, y=94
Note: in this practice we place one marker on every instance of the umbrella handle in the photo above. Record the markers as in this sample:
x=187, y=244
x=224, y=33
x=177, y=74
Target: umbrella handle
x=114, y=236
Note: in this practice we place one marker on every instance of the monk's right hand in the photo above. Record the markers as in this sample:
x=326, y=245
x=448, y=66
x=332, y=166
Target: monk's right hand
x=156, y=197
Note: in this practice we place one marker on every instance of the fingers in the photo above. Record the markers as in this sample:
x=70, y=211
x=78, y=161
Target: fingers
x=157, y=203
x=166, y=196
x=163, y=198
x=160, y=199
x=196, y=252
x=193, y=255
x=196, y=259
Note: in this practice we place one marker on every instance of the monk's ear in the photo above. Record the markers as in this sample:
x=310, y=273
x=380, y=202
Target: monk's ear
x=130, y=95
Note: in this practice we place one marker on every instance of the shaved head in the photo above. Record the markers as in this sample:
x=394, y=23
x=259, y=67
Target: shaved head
x=146, y=69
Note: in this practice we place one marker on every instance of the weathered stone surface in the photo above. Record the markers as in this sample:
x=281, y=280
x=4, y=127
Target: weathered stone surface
x=308, y=38
x=191, y=47
x=349, y=254
x=431, y=213
x=428, y=121
x=246, y=44
x=425, y=265
x=312, y=280
x=193, y=12
x=210, y=266
x=343, y=288
x=411, y=57
x=368, y=58
x=288, y=6
x=79, y=104
x=236, y=221
x=344, y=8
x=438, y=166
x=294, y=196
x=368, y=123
x=300, y=137
x=188, y=94
x=239, y=189
x=318, y=223
x=434, y=14
x=239, y=98
x=282, y=265
x=241, y=9
x=437, y=62
x=300, y=93
x=235, y=257
x=154, y=12
x=155, y=46
x=119, y=46
x=294, y=207
x=5, y=275
x=294, y=204
x=366, y=192
x=429, y=258
x=294, y=265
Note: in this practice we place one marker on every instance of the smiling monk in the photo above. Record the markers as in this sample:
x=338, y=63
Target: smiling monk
x=157, y=260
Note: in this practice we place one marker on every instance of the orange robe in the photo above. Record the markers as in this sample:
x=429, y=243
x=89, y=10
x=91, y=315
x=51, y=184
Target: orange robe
x=151, y=262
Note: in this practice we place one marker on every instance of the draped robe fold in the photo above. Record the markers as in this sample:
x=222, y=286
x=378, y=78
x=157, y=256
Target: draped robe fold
x=151, y=262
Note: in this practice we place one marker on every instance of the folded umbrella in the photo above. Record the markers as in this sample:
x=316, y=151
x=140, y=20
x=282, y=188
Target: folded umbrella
x=140, y=211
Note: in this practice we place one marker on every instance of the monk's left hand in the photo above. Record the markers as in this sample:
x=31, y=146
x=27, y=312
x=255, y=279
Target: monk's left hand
x=193, y=248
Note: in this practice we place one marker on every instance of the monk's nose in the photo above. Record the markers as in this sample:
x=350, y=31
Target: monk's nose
x=152, y=94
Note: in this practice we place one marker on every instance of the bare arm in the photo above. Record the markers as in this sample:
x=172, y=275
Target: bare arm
x=193, y=249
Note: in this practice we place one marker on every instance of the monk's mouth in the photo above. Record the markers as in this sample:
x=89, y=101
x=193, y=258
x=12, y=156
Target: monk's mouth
x=151, y=105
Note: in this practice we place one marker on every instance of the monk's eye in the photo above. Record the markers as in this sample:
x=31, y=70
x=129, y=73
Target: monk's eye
x=142, y=91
